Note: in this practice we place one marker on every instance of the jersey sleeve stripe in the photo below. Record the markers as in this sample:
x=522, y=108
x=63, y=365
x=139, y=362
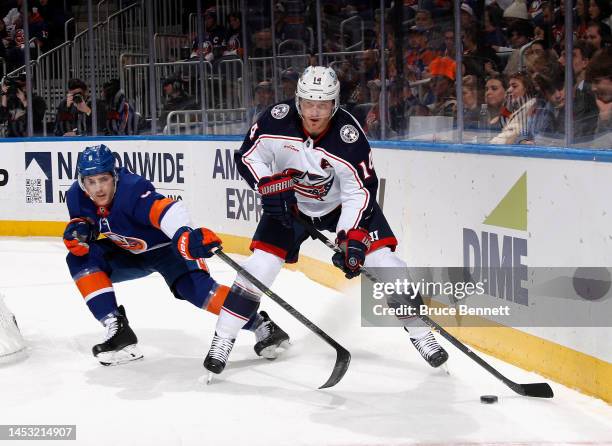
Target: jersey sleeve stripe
x=159, y=208
x=93, y=283
x=357, y=179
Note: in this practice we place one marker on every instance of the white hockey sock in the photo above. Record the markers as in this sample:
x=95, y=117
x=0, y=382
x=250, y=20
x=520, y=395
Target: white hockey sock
x=229, y=324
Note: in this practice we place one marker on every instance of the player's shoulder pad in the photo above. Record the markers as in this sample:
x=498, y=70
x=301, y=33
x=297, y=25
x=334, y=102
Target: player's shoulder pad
x=130, y=187
x=277, y=116
x=348, y=129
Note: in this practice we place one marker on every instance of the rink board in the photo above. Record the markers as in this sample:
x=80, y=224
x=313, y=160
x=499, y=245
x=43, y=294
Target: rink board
x=558, y=208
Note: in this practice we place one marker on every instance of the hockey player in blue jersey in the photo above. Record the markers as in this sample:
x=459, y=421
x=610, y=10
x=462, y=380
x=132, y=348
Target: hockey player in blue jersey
x=309, y=156
x=144, y=232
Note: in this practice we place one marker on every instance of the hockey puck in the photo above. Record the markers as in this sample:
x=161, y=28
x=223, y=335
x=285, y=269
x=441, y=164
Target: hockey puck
x=488, y=399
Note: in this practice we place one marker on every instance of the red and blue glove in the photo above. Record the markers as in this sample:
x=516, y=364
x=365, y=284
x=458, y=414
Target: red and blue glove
x=354, y=245
x=193, y=244
x=78, y=234
x=278, y=197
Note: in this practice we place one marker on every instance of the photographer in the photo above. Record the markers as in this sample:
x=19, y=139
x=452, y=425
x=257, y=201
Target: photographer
x=13, y=108
x=73, y=117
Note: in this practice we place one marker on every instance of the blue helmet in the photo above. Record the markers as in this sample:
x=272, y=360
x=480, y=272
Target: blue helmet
x=95, y=160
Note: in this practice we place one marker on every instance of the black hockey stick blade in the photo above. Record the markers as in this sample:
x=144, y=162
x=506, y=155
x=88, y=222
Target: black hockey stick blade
x=343, y=357
x=538, y=390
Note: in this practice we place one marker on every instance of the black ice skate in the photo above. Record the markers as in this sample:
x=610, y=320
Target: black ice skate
x=430, y=350
x=217, y=355
x=271, y=339
x=120, y=343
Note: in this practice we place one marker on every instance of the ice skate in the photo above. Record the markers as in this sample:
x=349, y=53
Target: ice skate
x=119, y=345
x=271, y=339
x=216, y=358
x=430, y=350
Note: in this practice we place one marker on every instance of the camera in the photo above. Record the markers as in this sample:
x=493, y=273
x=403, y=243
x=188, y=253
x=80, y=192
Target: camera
x=77, y=98
x=11, y=85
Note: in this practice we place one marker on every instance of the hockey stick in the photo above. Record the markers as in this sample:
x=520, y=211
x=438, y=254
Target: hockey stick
x=539, y=390
x=343, y=356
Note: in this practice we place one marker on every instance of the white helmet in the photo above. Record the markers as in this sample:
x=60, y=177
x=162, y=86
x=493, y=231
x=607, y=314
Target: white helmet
x=318, y=84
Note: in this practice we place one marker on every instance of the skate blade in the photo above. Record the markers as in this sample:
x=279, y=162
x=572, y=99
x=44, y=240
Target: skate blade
x=126, y=354
x=444, y=368
x=274, y=351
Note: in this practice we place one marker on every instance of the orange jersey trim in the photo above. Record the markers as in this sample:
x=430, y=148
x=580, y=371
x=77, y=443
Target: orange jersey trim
x=93, y=282
x=158, y=209
x=218, y=298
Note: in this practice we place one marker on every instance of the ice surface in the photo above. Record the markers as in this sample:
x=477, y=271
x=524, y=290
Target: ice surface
x=389, y=396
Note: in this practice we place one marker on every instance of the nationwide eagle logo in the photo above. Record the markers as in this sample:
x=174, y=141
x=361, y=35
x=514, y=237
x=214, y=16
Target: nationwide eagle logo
x=310, y=185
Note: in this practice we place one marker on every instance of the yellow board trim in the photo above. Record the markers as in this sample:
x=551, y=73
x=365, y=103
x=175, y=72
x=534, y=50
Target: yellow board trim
x=585, y=373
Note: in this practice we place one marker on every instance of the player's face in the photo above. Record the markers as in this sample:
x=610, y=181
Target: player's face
x=100, y=188
x=316, y=115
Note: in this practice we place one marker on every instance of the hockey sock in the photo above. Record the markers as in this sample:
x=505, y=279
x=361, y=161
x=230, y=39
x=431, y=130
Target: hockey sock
x=239, y=307
x=97, y=290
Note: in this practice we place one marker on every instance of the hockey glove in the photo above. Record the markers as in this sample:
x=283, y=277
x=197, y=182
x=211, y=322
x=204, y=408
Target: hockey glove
x=278, y=197
x=77, y=235
x=193, y=244
x=354, y=245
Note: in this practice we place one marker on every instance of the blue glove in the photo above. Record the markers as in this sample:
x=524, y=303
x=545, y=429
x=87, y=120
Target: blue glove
x=354, y=245
x=278, y=197
x=193, y=244
x=77, y=235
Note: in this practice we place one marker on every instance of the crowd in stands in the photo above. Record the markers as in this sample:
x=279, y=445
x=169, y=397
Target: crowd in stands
x=512, y=71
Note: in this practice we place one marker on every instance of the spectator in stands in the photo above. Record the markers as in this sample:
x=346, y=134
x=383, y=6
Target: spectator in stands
x=372, y=125
x=472, y=98
x=467, y=16
x=3, y=39
x=599, y=75
x=13, y=108
x=495, y=94
x=418, y=55
x=516, y=12
x=39, y=29
x=442, y=72
x=521, y=97
x=547, y=117
x=264, y=97
x=600, y=11
x=289, y=80
x=521, y=33
x=424, y=22
x=479, y=59
x=448, y=47
x=55, y=16
x=175, y=98
x=73, y=117
x=581, y=19
x=585, y=106
x=118, y=115
x=213, y=38
x=493, y=34
x=233, y=35
x=598, y=34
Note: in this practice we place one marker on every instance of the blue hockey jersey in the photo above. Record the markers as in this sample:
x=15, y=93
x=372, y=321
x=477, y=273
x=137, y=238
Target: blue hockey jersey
x=132, y=221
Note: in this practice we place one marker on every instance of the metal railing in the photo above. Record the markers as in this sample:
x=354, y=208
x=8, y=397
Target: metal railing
x=168, y=16
x=52, y=76
x=168, y=47
x=219, y=122
x=352, y=23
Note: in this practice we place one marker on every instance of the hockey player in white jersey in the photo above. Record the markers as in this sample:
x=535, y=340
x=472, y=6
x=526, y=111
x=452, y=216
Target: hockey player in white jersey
x=309, y=156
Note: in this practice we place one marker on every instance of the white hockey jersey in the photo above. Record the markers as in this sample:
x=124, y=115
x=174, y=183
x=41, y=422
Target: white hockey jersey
x=334, y=169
